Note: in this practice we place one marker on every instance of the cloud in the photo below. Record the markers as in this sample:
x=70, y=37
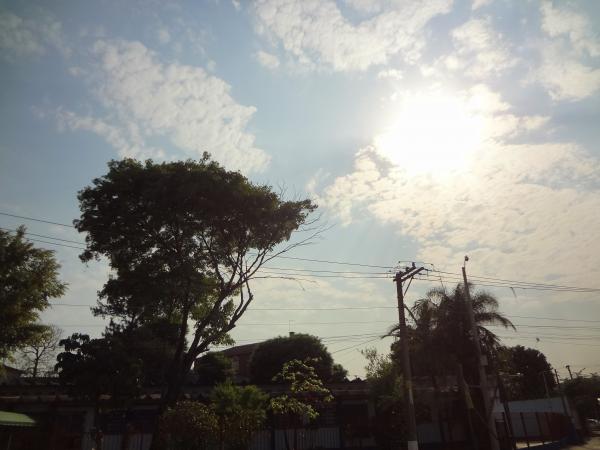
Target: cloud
x=480, y=51
x=565, y=22
x=30, y=36
x=564, y=77
x=316, y=34
x=513, y=206
x=565, y=69
x=390, y=73
x=267, y=60
x=480, y=4
x=147, y=100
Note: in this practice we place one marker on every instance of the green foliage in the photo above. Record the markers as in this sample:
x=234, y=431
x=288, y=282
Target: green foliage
x=188, y=426
x=270, y=356
x=524, y=368
x=212, y=368
x=241, y=411
x=440, y=334
x=28, y=279
x=95, y=367
x=306, y=391
x=584, y=392
x=183, y=240
x=385, y=389
x=153, y=344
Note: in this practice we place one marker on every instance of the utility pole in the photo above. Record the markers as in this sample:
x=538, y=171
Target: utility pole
x=569, y=369
x=412, y=439
x=481, y=363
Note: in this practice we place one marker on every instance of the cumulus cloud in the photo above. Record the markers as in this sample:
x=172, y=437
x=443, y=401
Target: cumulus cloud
x=147, y=99
x=564, y=22
x=29, y=36
x=267, y=60
x=564, y=69
x=537, y=204
x=480, y=51
x=316, y=34
x=480, y=4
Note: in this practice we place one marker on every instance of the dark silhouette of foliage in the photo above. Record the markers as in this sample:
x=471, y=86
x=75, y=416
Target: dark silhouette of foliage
x=188, y=425
x=584, y=392
x=28, y=279
x=184, y=240
x=440, y=337
x=38, y=356
x=524, y=368
x=270, y=356
x=95, y=367
x=212, y=368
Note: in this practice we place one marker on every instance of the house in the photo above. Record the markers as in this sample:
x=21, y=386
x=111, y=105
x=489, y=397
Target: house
x=240, y=357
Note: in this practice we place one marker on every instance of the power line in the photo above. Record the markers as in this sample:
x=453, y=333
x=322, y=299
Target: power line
x=449, y=276
x=36, y=220
x=361, y=308
x=44, y=236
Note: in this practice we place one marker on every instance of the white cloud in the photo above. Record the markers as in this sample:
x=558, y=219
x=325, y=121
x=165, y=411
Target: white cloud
x=564, y=69
x=147, y=99
x=390, y=73
x=480, y=4
x=511, y=206
x=30, y=36
x=267, y=60
x=316, y=34
x=564, y=77
x=480, y=50
x=564, y=21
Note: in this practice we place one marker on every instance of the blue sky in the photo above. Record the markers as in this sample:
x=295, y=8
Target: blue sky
x=424, y=130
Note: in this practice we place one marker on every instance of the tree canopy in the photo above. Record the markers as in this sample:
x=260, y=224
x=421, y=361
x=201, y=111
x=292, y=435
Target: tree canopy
x=439, y=336
x=270, y=356
x=526, y=367
x=212, y=368
x=28, y=279
x=183, y=240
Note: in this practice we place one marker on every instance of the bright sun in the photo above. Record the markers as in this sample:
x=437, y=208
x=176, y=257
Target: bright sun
x=432, y=133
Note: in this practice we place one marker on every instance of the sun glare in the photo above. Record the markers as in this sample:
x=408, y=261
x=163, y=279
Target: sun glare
x=432, y=133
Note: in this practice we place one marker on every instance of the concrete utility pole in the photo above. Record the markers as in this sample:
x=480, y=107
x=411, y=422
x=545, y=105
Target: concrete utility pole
x=569, y=369
x=412, y=439
x=481, y=363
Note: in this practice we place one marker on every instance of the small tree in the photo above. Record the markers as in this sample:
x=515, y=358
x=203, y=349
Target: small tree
x=306, y=394
x=188, y=426
x=39, y=354
x=241, y=411
x=28, y=279
x=384, y=379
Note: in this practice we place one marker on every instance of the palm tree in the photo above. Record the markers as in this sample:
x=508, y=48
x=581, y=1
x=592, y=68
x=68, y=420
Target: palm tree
x=440, y=334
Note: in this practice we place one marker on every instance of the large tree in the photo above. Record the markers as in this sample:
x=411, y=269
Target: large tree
x=28, y=279
x=270, y=356
x=183, y=240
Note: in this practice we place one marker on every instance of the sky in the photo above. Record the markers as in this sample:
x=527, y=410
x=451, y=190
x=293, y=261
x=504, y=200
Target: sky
x=425, y=131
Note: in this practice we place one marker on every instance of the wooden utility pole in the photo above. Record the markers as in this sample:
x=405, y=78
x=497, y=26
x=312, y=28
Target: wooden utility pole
x=481, y=363
x=412, y=438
